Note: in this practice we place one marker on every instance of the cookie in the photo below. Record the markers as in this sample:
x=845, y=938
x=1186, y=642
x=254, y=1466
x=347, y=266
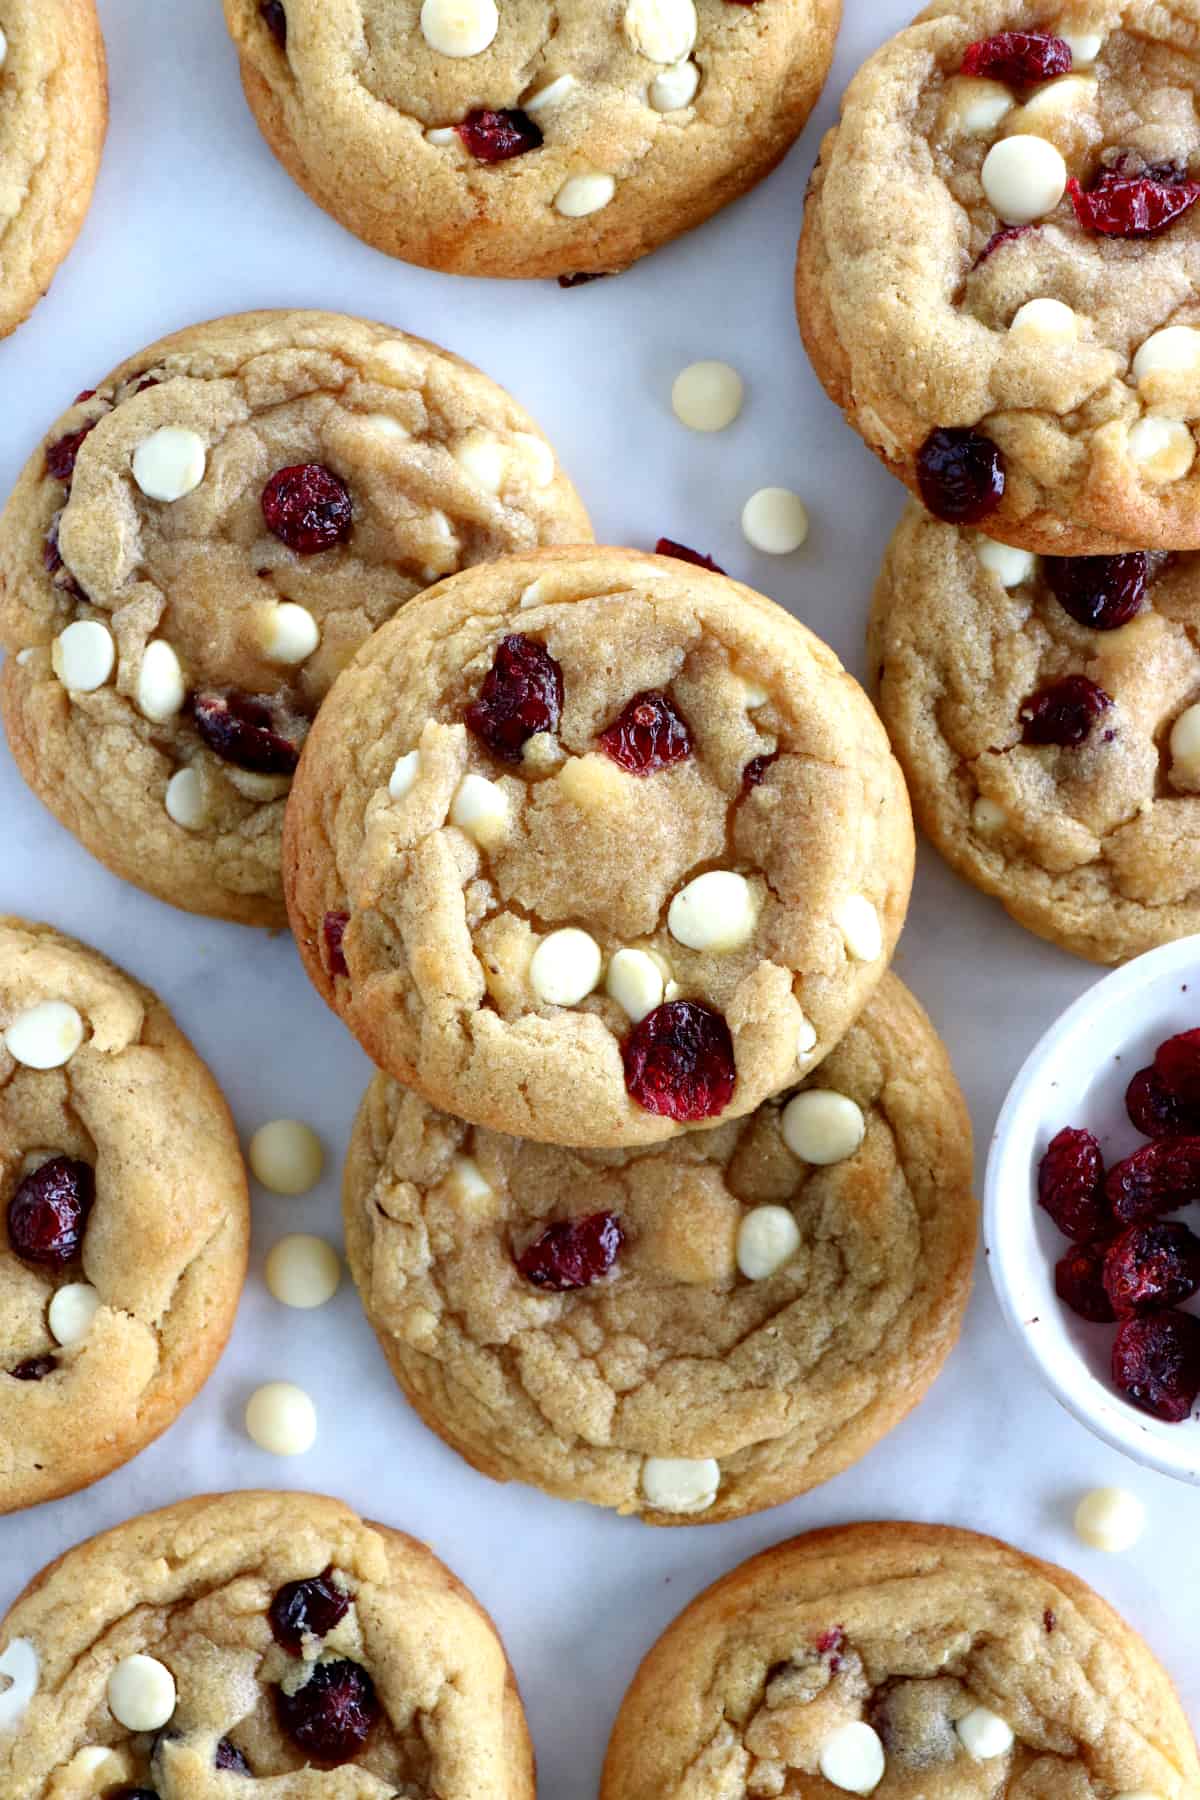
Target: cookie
x=910, y=1661
x=691, y=1332
x=997, y=271
x=1043, y=711
x=592, y=847
x=275, y=1636
x=124, y=1217
x=54, y=108
x=198, y=548
x=499, y=137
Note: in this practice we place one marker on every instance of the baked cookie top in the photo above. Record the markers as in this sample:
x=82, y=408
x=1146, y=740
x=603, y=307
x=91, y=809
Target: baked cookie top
x=124, y=1218
x=53, y=115
x=592, y=846
x=505, y=137
x=1044, y=712
x=199, y=547
x=275, y=1636
x=999, y=265
x=913, y=1662
x=691, y=1332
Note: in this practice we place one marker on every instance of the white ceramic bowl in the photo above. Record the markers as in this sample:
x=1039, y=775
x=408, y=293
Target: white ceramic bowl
x=1077, y=1075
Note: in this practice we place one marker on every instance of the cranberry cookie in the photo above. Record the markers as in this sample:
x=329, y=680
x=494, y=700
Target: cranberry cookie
x=998, y=273
x=124, y=1219
x=1044, y=711
x=506, y=137
x=591, y=847
x=198, y=548
x=691, y=1332
x=912, y=1662
x=271, y=1636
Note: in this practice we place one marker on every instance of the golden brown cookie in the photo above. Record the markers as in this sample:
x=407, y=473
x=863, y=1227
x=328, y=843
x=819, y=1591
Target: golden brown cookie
x=202, y=544
x=592, y=846
x=691, y=1332
x=515, y=139
x=271, y=1636
x=912, y=1662
x=124, y=1218
x=997, y=273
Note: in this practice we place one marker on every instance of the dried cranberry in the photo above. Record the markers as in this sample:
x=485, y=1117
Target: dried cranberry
x=1050, y=1620
x=755, y=771
x=679, y=1062
x=1071, y=1184
x=961, y=475
x=1156, y=1364
x=522, y=695
x=230, y=1758
x=573, y=1253
x=1158, y=1178
x=51, y=554
x=832, y=1642
x=1177, y=1064
x=331, y=1716
x=1152, y=1266
x=1128, y=205
x=48, y=1213
x=582, y=279
x=275, y=20
x=308, y=508
x=34, y=1368
x=242, y=729
x=494, y=137
x=1064, y=712
x=1018, y=57
x=1155, y=1111
x=333, y=929
x=301, y=1608
x=61, y=455
x=681, y=553
x=1079, y=1282
x=1101, y=592
x=1007, y=234
x=650, y=734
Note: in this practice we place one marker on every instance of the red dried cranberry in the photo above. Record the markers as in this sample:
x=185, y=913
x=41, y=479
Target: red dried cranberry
x=1156, y=1364
x=1152, y=1266
x=1071, y=1184
x=1050, y=1620
x=573, y=1253
x=333, y=929
x=48, y=1213
x=581, y=280
x=1177, y=1064
x=331, y=1716
x=1079, y=1282
x=755, y=771
x=961, y=475
x=34, y=1368
x=1018, y=57
x=832, y=1642
x=312, y=1607
x=494, y=137
x=1007, y=234
x=308, y=508
x=650, y=734
x=1123, y=204
x=1101, y=592
x=275, y=20
x=230, y=1758
x=1063, y=713
x=681, y=553
x=51, y=554
x=1158, y=1178
x=1155, y=1111
x=679, y=1062
x=61, y=455
x=522, y=695
x=241, y=729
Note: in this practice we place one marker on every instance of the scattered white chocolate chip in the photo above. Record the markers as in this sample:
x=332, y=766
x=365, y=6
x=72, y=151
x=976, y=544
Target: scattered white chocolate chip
x=403, y=776
x=385, y=426
x=286, y=1156
x=281, y=1418
x=1024, y=178
x=71, y=1312
x=977, y=105
x=858, y=922
x=161, y=689
x=822, y=1127
x=679, y=1485
x=1085, y=46
x=1010, y=567
x=83, y=655
x=716, y=911
x=469, y=1181
x=291, y=634
x=45, y=1037
x=852, y=1759
x=635, y=982
x=1062, y=95
x=775, y=521
x=443, y=137
x=535, y=456
x=1045, y=322
x=987, y=817
x=141, y=1693
x=3, y=49
x=580, y=195
x=303, y=1271
x=707, y=396
x=565, y=967
x=459, y=27
x=552, y=95
x=184, y=799
x=1164, y=449
x=481, y=455
x=25, y=657
x=662, y=30
x=1176, y=349
x=1111, y=1519
x=674, y=88
x=480, y=808
x=255, y=786
x=94, y=1760
x=806, y=1037
x=767, y=1239
x=169, y=463
x=1185, y=747
x=20, y=1666
x=983, y=1734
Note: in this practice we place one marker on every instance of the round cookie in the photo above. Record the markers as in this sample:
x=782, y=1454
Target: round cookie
x=202, y=544
x=520, y=140
x=271, y=1636
x=592, y=846
x=53, y=116
x=1093, y=840
x=723, y=1319
x=913, y=1662
x=968, y=286
x=124, y=1217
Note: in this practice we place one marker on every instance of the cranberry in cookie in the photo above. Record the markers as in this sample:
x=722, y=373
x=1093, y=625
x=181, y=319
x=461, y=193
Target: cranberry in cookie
x=534, y=860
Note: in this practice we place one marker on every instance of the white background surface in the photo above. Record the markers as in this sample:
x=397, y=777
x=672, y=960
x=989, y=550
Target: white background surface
x=193, y=218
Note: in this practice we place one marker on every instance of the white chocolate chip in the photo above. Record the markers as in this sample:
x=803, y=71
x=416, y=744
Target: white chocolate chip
x=443, y=137
x=1185, y=748
x=635, y=982
x=20, y=1666
x=83, y=655
x=1057, y=97
x=93, y=1761
x=481, y=455
x=470, y=1183
x=25, y=657
x=286, y=1156
x=161, y=689
x=184, y=799
x=806, y=1038
x=459, y=27
x=716, y=911
x=852, y=1759
x=303, y=1271
x=141, y=1693
x=552, y=95
x=1175, y=349
x=754, y=694
x=3, y=49
x=533, y=595
x=404, y=775
x=707, y=396
x=1085, y=46
x=71, y=1312
x=566, y=967
x=291, y=635
x=775, y=521
x=662, y=30
x=169, y=463
x=45, y=1037
x=255, y=786
x=675, y=87
x=580, y=195
x=976, y=106
x=1110, y=1519
x=1024, y=178
x=679, y=1485
x=383, y=424
x=822, y=1127
x=481, y=809
x=1164, y=449
x=281, y=1418
x=1045, y=322
x=987, y=817
x=767, y=1239
x=983, y=1734
x=535, y=456
x=1010, y=567
x=858, y=922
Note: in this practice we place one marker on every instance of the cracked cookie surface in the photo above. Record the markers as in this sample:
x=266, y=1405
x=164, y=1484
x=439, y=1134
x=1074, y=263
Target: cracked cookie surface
x=591, y=846
x=201, y=1590
x=120, y=1269
x=199, y=547
x=530, y=139
x=905, y=1634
